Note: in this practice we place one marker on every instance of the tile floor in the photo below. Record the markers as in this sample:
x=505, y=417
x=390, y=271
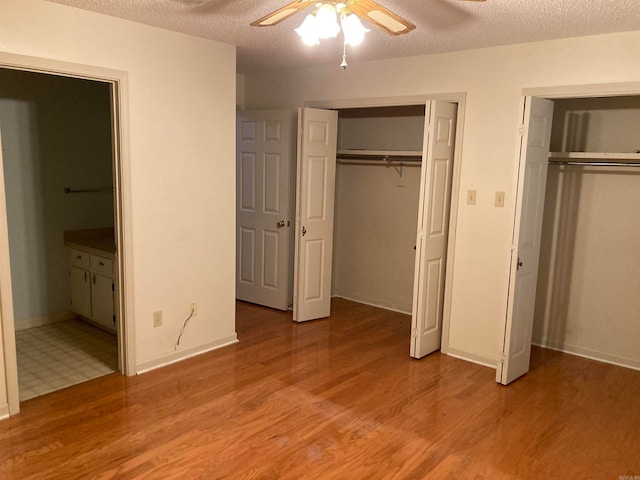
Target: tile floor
x=56, y=356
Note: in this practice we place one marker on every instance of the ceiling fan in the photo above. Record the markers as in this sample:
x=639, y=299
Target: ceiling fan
x=369, y=10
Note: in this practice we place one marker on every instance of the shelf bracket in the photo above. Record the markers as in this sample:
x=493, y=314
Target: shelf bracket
x=397, y=167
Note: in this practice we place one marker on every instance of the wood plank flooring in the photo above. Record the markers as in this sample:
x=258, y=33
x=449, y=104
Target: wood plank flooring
x=335, y=399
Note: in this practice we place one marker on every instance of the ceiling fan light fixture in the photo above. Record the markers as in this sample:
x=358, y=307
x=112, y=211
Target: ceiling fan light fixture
x=308, y=31
x=327, y=21
x=353, y=30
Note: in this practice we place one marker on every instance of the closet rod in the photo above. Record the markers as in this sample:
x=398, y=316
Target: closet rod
x=594, y=164
x=95, y=190
x=386, y=163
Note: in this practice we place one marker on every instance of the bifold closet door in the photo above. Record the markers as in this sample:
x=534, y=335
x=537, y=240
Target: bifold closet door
x=527, y=232
x=315, y=197
x=433, y=228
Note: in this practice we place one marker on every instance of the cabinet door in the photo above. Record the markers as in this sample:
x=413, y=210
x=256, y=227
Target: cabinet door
x=102, y=301
x=80, y=292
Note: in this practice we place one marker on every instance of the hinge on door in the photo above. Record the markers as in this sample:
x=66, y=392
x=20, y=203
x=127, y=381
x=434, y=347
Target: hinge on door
x=414, y=332
x=113, y=287
x=502, y=358
x=521, y=130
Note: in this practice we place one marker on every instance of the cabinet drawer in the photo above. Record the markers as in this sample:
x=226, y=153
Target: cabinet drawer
x=79, y=258
x=101, y=265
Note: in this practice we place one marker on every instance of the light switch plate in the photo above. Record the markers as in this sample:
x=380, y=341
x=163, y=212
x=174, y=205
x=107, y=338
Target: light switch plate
x=471, y=197
x=499, y=199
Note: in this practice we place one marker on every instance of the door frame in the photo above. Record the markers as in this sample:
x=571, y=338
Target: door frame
x=458, y=98
x=551, y=93
x=118, y=82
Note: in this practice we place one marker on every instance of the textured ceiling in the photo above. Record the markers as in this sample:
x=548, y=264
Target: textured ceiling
x=442, y=26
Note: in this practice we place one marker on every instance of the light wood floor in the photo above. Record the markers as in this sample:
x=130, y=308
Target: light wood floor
x=334, y=399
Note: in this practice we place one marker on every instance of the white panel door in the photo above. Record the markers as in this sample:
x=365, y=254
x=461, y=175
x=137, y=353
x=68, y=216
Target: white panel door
x=527, y=231
x=433, y=228
x=263, y=222
x=317, y=141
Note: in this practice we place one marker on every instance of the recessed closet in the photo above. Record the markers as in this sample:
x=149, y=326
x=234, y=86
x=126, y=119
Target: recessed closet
x=587, y=296
x=376, y=207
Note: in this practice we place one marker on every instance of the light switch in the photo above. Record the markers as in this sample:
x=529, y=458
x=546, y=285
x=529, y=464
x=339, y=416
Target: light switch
x=471, y=197
x=499, y=199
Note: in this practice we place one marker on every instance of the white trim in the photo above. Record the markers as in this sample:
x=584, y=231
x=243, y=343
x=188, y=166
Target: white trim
x=122, y=192
x=8, y=335
x=179, y=356
x=587, y=353
x=44, y=320
x=584, y=91
x=371, y=304
x=338, y=104
x=470, y=357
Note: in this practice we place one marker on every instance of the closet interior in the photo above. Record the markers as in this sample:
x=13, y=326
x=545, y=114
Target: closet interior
x=587, y=296
x=376, y=207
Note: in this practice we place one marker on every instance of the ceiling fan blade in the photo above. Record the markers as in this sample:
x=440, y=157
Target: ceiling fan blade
x=283, y=13
x=380, y=16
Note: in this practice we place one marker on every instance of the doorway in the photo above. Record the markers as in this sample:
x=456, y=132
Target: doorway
x=114, y=84
x=574, y=300
x=57, y=160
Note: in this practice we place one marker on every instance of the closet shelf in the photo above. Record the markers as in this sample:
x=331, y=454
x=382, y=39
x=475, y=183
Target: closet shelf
x=595, y=155
x=372, y=154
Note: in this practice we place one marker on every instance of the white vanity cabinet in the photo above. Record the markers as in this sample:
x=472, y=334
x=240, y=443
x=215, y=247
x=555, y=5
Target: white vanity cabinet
x=92, y=285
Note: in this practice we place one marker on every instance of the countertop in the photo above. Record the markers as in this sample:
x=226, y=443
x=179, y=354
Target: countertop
x=99, y=241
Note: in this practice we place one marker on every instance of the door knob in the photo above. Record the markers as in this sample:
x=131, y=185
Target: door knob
x=519, y=264
x=280, y=224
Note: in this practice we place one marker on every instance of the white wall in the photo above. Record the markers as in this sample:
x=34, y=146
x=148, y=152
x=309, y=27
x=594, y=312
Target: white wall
x=375, y=232
x=240, y=92
x=587, y=298
x=596, y=125
x=56, y=133
x=493, y=79
x=181, y=111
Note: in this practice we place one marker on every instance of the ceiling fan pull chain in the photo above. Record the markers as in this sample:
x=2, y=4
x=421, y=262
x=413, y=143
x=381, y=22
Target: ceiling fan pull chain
x=344, y=64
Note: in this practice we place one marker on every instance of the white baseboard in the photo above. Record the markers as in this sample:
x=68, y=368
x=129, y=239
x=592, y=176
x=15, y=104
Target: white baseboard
x=470, y=357
x=184, y=354
x=588, y=353
x=44, y=320
x=373, y=303
x=4, y=411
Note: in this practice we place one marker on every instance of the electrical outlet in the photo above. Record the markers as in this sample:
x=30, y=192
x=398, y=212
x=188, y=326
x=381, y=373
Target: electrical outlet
x=157, y=319
x=193, y=307
x=499, y=199
x=471, y=197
